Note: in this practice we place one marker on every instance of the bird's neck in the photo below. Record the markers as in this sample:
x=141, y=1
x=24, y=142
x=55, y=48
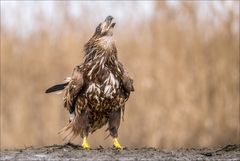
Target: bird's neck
x=101, y=49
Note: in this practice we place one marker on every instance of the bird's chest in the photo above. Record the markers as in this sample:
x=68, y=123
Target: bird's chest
x=103, y=93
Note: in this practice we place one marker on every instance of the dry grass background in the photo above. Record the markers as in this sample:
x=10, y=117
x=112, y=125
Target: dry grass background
x=186, y=77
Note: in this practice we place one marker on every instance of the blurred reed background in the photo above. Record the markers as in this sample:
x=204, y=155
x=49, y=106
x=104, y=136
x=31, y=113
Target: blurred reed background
x=183, y=56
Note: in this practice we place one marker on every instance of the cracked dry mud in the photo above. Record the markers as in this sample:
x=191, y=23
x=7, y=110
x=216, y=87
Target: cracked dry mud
x=75, y=152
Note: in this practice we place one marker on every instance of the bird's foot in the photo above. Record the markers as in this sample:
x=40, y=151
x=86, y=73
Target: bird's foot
x=116, y=144
x=85, y=144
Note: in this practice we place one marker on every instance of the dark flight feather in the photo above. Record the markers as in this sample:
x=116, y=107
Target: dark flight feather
x=56, y=88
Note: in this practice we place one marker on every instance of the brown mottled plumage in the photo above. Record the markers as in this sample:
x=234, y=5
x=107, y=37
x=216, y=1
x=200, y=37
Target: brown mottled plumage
x=98, y=88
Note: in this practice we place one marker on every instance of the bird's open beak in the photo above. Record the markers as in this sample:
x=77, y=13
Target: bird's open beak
x=110, y=22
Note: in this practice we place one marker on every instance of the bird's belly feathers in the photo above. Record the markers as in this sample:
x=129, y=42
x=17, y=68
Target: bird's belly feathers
x=105, y=93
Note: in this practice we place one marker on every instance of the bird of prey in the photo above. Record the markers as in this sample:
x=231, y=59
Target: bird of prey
x=96, y=93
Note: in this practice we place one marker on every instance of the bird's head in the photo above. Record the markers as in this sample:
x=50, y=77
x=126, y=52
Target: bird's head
x=105, y=28
x=101, y=39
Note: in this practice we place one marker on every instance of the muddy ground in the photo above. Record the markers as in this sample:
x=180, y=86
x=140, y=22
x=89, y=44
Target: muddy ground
x=75, y=152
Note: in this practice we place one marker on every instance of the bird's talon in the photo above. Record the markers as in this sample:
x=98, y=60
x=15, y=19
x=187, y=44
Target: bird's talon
x=85, y=144
x=116, y=144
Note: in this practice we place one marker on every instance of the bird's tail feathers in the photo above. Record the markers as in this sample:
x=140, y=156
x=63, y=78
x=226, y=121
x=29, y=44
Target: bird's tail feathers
x=72, y=129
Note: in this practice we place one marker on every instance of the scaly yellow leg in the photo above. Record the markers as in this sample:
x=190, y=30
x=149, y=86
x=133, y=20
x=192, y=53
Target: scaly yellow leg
x=85, y=144
x=116, y=144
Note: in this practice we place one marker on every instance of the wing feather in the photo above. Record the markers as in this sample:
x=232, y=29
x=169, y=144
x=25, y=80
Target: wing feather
x=127, y=84
x=73, y=89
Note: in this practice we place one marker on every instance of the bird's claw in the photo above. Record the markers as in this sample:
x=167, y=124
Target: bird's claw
x=85, y=144
x=116, y=144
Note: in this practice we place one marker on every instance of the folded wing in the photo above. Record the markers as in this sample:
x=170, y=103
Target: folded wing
x=127, y=85
x=73, y=89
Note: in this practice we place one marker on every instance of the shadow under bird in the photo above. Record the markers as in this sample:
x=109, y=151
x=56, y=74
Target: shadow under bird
x=96, y=93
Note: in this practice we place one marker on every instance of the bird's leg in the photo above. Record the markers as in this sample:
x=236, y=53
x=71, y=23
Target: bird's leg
x=114, y=122
x=85, y=129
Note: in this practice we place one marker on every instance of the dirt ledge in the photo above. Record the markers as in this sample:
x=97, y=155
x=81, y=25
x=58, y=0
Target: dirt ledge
x=75, y=152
